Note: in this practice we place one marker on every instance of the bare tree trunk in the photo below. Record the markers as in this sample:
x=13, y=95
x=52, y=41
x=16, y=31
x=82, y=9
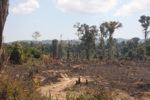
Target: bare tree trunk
x=3, y=15
x=145, y=44
x=1, y=47
x=102, y=47
x=145, y=35
x=87, y=54
x=110, y=46
x=1, y=41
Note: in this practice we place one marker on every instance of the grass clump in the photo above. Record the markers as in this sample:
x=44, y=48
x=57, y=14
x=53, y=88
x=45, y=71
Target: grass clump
x=17, y=90
x=91, y=94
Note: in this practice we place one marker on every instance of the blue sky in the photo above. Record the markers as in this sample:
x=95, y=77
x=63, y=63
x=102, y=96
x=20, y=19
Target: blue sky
x=55, y=17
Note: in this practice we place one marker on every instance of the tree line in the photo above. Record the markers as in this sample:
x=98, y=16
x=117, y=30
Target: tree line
x=86, y=47
x=88, y=34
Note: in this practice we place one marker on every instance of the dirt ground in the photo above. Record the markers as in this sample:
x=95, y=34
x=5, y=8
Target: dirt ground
x=130, y=80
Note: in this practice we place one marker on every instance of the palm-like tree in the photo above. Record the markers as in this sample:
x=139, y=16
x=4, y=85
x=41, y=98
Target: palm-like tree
x=145, y=23
x=3, y=15
x=103, y=34
x=111, y=27
x=87, y=34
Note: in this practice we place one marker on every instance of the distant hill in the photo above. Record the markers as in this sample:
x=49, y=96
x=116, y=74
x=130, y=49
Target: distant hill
x=119, y=40
x=46, y=41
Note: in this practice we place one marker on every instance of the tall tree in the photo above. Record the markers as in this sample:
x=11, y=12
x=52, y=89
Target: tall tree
x=36, y=35
x=87, y=35
x=111, y=27
x=103, y=34
x=55, y=48
x=145, y=23
x=68, y=50
x=3, y=15
x=60, y=48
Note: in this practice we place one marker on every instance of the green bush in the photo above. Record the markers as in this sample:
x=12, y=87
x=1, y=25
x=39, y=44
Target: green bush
x=35, y=53
x=16, y=56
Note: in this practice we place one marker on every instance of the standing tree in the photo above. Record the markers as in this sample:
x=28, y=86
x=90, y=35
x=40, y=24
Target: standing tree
x=3, y=15
x=103, y=34
x=36, y=35
x=87, y=35
x=60, y=48
x=68, y=50
x=111, y=27
x=145, y=23
x=55, y=48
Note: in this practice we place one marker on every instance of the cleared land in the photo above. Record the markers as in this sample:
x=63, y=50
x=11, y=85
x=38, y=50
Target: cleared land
x=127, y=80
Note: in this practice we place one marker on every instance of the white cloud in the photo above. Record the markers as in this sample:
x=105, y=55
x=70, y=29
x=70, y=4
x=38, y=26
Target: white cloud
x=26, y=7
x=134, y=6
x=85, y=6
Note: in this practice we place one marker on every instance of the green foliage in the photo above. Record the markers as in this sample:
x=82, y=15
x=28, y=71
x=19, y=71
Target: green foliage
x=148, y=50
x=110, y=28
x=141, y=52
x=103, y=34
x=145, y=23
x=131, y=54
x=87, y=34
x=35, y=53
x=16, y=56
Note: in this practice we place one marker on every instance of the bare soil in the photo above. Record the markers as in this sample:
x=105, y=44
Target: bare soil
x=129, y=80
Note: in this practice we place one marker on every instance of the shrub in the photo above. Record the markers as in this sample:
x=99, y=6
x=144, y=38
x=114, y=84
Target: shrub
x=16, y=56
x=35, y=53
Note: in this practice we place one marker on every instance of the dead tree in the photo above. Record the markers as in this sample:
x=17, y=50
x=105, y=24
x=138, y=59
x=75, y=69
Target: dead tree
x=78, y=81
x=86, y=81
x=4, y=4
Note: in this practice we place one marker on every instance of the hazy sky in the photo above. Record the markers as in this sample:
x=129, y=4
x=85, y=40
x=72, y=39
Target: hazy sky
x=55, y=17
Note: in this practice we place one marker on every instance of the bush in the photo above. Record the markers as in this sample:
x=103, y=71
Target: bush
x=16, y=56
x=35, y=53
